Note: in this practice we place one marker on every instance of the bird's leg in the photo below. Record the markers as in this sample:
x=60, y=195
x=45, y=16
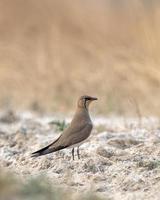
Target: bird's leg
x=78, y=152
x=73, y=153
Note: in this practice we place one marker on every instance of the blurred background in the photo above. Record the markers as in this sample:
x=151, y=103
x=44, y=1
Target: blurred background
x=52, y=51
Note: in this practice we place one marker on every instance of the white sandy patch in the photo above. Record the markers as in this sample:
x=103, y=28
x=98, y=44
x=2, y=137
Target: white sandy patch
x=121, y=159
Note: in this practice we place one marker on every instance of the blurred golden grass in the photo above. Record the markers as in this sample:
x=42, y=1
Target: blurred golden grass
x=53, y=51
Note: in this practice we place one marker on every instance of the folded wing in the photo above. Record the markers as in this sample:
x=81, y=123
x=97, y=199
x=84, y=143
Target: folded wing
x=68, y=138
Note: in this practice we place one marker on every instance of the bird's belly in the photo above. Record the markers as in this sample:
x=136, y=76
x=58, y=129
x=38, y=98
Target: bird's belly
x=76, y=145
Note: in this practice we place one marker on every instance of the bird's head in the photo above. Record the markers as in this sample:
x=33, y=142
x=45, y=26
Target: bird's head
x=85, y=100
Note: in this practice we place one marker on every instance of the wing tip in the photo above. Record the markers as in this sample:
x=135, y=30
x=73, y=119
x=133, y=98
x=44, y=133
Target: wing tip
x=33, y=155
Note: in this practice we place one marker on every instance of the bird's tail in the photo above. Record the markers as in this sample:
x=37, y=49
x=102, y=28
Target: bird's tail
x=46, y=150
x=42, y=151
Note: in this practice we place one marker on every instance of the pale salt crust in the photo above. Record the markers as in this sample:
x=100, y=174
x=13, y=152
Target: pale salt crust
x=120, y=160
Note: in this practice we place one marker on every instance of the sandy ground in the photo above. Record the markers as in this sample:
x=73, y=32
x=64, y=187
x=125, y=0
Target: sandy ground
x=120, y=160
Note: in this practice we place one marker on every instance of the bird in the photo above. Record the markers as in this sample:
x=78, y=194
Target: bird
x=76, y=133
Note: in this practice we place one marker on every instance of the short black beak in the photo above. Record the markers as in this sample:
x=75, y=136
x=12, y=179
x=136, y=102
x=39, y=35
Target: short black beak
x=94, y=98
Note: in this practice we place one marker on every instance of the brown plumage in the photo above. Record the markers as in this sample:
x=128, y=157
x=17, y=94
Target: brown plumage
x=79, y=130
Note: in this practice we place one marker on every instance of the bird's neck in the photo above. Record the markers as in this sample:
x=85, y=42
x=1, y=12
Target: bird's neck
x=81, y=110
x=81, y=114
